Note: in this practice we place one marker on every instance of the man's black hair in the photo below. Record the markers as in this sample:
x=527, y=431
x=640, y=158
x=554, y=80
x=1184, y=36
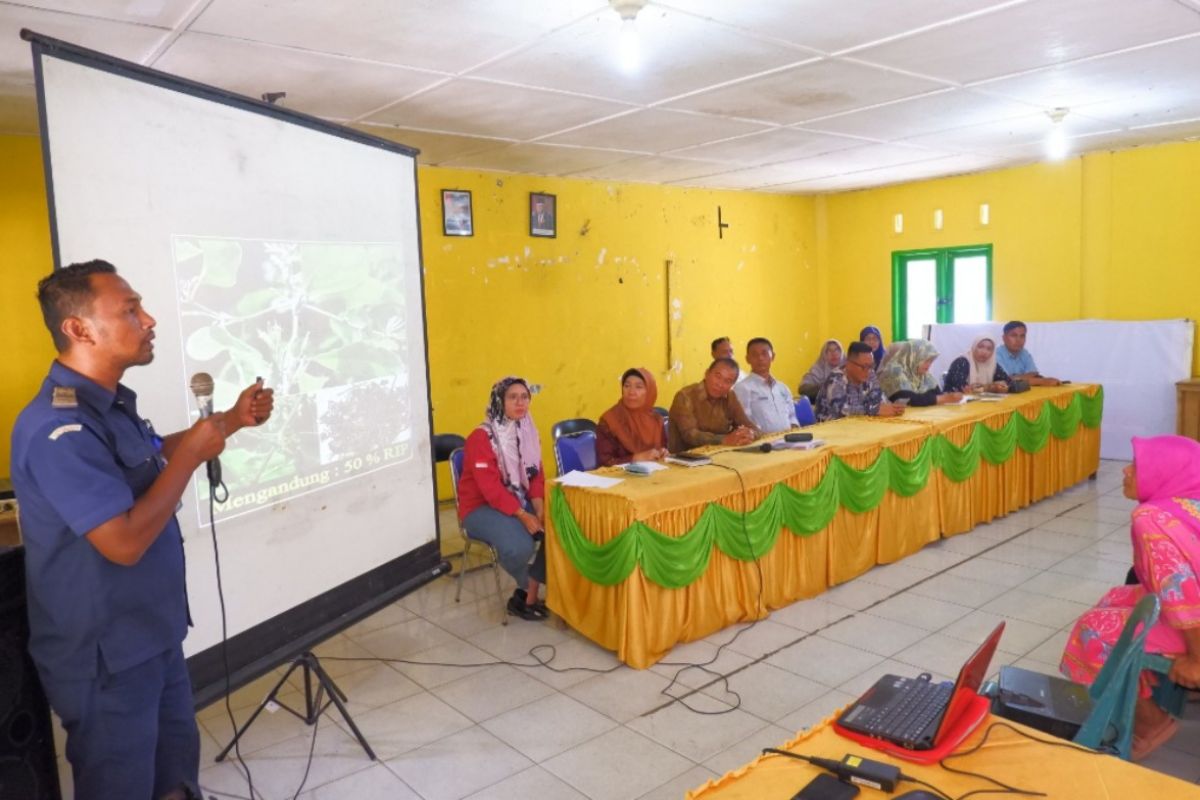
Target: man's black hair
x=858, y=348
x=67, y=292
x=723, y=362
x=759, y=340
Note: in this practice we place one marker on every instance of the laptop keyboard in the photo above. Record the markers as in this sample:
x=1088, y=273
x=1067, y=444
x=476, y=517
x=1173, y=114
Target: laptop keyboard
x=910, y=713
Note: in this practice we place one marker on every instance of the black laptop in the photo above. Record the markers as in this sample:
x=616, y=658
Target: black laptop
x=915, y=713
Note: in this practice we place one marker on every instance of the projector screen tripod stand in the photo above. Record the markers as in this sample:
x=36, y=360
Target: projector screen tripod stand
x=317, y=684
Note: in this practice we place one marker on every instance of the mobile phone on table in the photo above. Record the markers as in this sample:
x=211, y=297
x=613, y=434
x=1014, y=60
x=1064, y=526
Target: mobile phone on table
x=826, y=787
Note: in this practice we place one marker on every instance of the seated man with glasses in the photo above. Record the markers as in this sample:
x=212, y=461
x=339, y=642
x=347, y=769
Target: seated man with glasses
x=853, y=390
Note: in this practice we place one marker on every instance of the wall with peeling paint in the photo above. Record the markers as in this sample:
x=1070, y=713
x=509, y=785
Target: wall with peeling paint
x=574, y=312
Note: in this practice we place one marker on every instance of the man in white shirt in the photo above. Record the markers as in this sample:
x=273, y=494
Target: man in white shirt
x=767, y=402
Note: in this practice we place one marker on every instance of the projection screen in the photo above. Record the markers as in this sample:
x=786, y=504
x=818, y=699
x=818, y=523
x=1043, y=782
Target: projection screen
x=265, y=243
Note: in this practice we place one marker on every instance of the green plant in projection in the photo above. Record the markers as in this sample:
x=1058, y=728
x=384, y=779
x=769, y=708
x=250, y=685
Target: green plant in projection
x=307, y=317
x=676, y=561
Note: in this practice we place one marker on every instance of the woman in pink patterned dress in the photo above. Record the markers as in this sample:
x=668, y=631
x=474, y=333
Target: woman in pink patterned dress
x=1165, y=480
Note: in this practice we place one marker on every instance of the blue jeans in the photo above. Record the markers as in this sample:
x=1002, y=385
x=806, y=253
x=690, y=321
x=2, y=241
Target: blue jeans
x=513, y=543
x=130, y=735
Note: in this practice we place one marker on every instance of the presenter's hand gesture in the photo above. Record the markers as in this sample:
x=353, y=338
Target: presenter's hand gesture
x=205, y=440
x=253, y=407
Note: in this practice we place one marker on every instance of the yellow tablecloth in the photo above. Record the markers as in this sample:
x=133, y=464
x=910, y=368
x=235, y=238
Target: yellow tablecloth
x=641, y=620
x=1061, y=773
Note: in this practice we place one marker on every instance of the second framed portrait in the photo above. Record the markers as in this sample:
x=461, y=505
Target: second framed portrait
x=542, y=215
x=456, y=213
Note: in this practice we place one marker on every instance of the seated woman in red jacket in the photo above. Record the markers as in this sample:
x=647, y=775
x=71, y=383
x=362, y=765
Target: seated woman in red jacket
x=501, y=491
x=631, y=430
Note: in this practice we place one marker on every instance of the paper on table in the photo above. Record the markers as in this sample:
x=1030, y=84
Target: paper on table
x=648, y=466
x=587, y=479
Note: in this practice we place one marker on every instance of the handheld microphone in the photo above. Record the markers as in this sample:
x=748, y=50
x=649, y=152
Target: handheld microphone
x=202, y=387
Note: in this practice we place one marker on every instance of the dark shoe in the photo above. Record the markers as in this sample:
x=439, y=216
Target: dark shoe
x=517, y=608
x=539, y=608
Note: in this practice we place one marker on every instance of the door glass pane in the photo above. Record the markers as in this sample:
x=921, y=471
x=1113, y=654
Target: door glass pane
x=970, y=289
x=920, y=277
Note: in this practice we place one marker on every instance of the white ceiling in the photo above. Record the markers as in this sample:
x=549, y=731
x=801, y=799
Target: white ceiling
x=777, y=95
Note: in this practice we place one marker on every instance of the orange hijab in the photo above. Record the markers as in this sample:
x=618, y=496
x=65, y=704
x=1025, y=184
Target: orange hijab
x=637, y=429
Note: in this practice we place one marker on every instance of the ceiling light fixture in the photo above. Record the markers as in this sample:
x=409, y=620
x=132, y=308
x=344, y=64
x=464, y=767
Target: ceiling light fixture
x=629, y=47
x=1056, y=140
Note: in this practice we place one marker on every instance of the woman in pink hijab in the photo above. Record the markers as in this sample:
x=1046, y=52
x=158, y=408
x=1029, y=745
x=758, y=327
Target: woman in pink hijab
x=1165, y=480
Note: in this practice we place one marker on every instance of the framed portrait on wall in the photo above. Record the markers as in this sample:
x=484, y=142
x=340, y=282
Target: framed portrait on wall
x=456, y=213
x=543, y=214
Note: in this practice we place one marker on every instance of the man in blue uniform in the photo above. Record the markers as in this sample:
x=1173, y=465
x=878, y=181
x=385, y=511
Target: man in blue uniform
x=98, y=491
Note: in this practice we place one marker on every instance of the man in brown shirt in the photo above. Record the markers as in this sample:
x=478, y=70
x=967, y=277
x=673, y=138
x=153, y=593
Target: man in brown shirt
x=708, y=412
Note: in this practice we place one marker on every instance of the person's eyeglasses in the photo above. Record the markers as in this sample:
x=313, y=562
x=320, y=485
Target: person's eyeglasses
x=863, y=364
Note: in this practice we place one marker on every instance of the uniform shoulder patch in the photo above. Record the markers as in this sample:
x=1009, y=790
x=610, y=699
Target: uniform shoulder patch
x=61, y=429
x=64, y=397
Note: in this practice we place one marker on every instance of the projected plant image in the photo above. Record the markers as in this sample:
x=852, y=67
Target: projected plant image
x=323, y=323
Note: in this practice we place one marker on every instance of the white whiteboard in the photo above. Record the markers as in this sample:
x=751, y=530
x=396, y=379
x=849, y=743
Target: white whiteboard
x=1138, y=362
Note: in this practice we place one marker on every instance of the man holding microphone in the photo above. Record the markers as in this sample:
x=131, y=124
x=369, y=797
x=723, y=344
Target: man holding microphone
x=107, y=593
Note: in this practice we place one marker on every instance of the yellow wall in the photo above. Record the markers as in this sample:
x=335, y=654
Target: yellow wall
x=570, y=313
x=573, y=313
x=1154, y=238
x=1034, y=229
x=25, y=234
x=1106, y=235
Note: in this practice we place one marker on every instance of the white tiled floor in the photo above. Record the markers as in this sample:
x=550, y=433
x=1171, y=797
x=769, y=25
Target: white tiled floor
x=444, y=733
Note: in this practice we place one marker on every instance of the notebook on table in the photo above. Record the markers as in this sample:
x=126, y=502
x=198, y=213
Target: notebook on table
x=917, y=718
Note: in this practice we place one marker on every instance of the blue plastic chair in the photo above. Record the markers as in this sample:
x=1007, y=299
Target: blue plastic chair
x=804, y=411
x=1115, y=690
x=456, y=465
x=570, y=427
x=575, y=452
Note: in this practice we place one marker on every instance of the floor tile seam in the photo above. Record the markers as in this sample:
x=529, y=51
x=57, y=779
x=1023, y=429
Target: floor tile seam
x=853, y=613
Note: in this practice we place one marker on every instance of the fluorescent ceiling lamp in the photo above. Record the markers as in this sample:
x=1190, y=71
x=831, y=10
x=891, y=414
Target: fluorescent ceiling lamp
x=629, y=45
x=1056, y=140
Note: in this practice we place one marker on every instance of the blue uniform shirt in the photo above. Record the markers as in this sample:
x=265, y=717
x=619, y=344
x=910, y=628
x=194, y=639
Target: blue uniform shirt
x=74, y=467
x=1019, y=364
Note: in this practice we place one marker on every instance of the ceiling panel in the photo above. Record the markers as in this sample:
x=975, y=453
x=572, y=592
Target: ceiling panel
x=1031, y=35
x=949, y=108
x=679, y=54
x=758, y=93
x=655, y=130
x=317, y=84
x=778, y=144
x=1140, y=87
x=131, y=42
x=159, y=13
x=806, y=92
x=652, y=169
x=829, y=25
x=446, y=35
x=990, y=136
x=539, y=159
x=489, y=109
x=934, y=168
x=1173, y=132
x=855, y=160
x=435, y=148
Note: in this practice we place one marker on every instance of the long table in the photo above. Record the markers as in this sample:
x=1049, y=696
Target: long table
x=668, y=558
x=1058, y=772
